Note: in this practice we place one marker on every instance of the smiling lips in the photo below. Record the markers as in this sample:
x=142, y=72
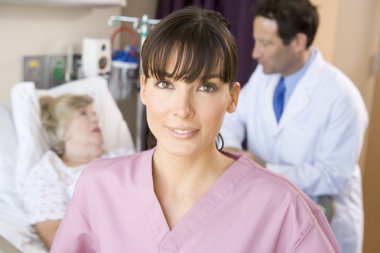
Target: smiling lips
x=183, y=133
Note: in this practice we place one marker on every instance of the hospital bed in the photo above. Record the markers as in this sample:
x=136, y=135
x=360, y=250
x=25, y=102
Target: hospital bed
x=22, y=144
x=7, y=247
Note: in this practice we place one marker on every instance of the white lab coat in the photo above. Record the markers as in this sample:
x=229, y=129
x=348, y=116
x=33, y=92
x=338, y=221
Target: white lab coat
x=317, y=142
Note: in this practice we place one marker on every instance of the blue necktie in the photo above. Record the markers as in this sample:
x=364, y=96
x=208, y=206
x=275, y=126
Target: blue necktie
x=279, y=99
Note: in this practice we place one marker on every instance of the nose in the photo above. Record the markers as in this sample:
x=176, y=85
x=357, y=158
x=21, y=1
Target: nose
x=183, y=105
x=94, y=118
x=255, y=52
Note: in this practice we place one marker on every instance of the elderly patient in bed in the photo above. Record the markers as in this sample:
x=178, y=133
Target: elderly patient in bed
x=71, y=127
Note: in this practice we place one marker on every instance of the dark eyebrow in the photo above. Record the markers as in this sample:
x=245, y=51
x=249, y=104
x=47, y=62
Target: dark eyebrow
x=209, y=76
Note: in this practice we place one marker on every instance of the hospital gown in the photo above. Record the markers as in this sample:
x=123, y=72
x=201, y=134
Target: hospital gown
x=248, y=209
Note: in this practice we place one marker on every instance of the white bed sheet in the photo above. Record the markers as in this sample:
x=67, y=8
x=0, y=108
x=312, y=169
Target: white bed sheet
x=14, y=225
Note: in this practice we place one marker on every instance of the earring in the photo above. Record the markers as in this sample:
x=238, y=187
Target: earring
x=219, y=139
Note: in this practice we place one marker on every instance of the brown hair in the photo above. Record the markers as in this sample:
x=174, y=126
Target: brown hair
x=201, y=42
x=56, y=113
x=292, y=17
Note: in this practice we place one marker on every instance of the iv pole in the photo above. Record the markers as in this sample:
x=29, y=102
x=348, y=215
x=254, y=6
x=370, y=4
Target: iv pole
x=141, y=25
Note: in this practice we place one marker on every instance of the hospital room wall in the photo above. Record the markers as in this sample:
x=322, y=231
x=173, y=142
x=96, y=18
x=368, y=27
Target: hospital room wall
x=27, y=30
x=371, y=173
x=349, y=37
x=50, y=30
x=371, y=178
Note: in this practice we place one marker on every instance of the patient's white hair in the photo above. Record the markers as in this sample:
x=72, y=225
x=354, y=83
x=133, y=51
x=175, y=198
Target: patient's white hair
x=56, y=113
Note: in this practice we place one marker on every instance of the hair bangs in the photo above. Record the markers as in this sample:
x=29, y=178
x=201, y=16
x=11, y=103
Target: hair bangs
x=190, y=44
x=187, y=59
x=190, y=51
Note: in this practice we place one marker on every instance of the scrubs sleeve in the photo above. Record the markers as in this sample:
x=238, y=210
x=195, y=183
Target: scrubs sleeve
x=316, y=240
x=74, y=234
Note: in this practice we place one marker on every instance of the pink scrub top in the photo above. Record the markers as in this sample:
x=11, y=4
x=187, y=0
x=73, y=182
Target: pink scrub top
x=248, y=209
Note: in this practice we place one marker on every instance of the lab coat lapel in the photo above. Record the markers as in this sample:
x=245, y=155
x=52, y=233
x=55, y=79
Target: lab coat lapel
x=299, y=100
x=301, y=96
x=267, y=110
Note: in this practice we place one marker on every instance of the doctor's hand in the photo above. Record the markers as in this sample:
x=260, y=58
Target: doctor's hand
x=245, y=153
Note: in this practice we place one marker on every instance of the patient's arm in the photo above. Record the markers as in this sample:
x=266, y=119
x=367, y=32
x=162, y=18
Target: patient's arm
x=46, y=231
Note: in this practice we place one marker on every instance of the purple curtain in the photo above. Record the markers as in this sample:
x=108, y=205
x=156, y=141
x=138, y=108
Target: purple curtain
x=240, y=16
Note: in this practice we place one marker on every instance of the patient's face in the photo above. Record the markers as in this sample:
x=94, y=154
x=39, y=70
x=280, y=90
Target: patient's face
x=83, y=128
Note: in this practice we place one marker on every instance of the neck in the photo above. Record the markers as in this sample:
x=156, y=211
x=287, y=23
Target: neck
x=77, y=155
x=187, y=175
x=298, y=63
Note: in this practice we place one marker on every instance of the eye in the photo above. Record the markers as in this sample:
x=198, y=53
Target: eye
x=266, y=43
x=207, y=87
x=83, y=113
x=164, y=85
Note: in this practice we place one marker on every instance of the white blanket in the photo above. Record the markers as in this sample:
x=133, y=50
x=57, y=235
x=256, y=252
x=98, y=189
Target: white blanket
x=14, y=225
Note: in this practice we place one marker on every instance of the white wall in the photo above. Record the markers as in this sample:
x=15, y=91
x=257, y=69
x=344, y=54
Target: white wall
x=326, y=34
x=44, y=30
x=347, y=37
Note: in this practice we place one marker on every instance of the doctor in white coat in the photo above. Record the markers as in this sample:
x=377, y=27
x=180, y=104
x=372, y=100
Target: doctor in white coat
x=316, y=136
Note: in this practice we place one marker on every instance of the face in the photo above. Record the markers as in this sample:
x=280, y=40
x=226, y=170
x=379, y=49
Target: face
x=185, y=117
x=83, y=128
x=270, y=51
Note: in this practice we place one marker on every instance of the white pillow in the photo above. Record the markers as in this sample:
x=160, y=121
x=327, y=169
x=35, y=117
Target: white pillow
x=26, y=117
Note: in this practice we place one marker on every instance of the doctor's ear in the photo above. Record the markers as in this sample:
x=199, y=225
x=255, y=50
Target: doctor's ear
x=299, y=42
x=142, y=88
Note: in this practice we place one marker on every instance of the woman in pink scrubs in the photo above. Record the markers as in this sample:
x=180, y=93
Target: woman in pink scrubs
x=186, y=195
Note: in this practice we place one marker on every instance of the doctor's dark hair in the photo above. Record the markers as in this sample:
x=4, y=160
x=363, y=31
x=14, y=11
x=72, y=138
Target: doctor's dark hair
x=55, y=115
x=291, y=16
x=197, y=40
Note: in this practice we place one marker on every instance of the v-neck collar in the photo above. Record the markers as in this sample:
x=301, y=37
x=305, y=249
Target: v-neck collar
x=172, y=240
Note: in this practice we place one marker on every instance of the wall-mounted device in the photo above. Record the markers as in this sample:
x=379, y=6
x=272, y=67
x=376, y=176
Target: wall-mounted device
x=45, y=71
x=48, y=71
x=96, y=57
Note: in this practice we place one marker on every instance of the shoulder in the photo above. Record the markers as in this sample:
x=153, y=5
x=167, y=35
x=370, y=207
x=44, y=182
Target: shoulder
x=105, y=176
x=120, y=151
x=49, y=156
x=275, y=190
x=125, y=166
x=331, y=77
x=125, y=160
x=284, y=207
x=334, y=85
x=47, y=167
x=258, y=174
